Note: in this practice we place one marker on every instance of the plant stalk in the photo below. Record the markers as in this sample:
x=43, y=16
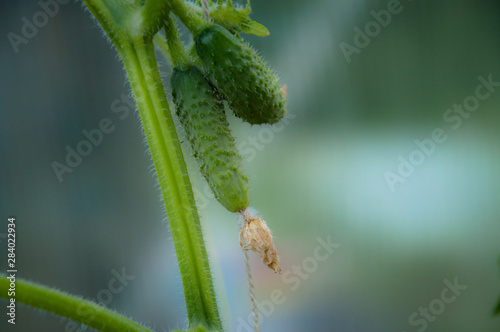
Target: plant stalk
x=72, y=307
x=133, y=40
x=142, y=71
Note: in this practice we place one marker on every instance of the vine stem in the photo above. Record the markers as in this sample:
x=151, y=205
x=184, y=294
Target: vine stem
x=72, y=307
x=142, y=71
x=135, y=46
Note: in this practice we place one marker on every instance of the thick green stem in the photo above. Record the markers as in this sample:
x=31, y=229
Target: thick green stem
x=65, y=305
x=132, y=32
x=140, y=64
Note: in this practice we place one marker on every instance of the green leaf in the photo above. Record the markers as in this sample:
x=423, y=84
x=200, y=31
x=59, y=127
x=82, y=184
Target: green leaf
x=232, y=17
x=255, y=28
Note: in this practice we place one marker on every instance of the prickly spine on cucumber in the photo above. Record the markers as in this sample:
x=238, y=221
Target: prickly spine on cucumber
x=250, y=87
x=202, y=116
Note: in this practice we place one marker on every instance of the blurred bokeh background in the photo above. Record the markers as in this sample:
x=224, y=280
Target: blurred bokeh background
x=344, y=167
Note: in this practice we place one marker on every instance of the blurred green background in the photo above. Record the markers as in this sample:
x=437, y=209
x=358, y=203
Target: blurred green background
x=321, y=174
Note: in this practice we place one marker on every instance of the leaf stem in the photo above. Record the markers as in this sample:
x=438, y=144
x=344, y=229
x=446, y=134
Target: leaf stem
x=72, y=307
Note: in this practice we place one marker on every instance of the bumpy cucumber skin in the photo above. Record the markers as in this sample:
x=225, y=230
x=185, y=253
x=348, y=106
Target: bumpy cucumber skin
x=207, y=130
x=251, y=88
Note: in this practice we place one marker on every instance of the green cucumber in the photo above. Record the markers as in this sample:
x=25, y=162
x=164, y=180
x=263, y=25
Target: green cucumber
x=207, y=130
x=250, y=87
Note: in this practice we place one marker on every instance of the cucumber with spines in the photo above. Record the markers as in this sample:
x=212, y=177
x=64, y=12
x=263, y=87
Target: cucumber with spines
x=250, y=87
x=202, y=116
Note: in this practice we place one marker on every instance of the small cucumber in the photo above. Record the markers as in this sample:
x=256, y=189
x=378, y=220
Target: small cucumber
x=250, y=87
x=202, y=116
